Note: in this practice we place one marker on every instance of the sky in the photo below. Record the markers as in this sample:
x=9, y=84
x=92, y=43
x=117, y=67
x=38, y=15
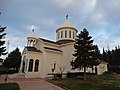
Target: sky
x=100, y=17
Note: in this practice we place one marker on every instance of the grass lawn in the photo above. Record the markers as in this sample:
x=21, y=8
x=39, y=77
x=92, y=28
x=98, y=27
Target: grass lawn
x=102, y=82
x=9, y=86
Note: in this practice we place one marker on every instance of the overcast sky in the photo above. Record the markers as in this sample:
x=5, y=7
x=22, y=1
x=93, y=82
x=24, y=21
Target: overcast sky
x=100, y=17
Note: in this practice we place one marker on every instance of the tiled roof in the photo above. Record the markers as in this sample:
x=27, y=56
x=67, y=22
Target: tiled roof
x=52, y=49
x=33, y=49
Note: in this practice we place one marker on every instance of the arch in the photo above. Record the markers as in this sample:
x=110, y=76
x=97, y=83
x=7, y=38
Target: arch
x=53, y=66
x=36, y=66
x=30, y=65
x=73, y=35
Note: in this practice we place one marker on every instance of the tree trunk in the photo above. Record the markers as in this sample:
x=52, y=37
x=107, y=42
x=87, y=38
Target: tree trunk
x=84, y=73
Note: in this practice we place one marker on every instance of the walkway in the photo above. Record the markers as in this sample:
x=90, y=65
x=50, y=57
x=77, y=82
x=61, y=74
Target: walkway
x=32, y=84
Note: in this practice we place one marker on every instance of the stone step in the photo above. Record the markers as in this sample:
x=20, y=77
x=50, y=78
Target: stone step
x=17, y=75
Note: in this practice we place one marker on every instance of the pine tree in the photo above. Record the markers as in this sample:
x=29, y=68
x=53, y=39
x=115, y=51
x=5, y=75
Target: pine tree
x=13, y=60
x=104, y=56
x=2, y=42
x=98, y=55
x=84, y=51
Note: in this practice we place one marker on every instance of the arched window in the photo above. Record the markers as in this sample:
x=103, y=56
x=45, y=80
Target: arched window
x=73, y=35
x=36, y=66
x=30, y=65
x=53, y=66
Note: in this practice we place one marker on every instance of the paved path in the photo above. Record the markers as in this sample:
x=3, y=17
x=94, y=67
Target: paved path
x=32, y=84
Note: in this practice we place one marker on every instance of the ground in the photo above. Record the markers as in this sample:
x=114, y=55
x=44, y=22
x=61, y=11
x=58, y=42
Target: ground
x=94, y=82
x=31, y=84
x=102, y=82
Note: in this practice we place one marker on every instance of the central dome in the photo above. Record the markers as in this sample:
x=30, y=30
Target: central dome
x=66, y=32
x=67, y=23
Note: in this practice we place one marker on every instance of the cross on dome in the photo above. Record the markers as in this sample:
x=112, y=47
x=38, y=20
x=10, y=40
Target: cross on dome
x=66, y=16
x=33, y=30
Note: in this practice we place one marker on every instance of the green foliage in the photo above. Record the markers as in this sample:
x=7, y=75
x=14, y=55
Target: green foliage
x=104, y=56
x=113, y=59
x=2, y=42
x=97, y=53
x=13, y=60
x=84, y=52
x=9, y=86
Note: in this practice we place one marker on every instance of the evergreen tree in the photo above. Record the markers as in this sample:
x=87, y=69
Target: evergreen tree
x=97, y=58
x=2, y=42
x=98, y=55
x=109, y=57
x=84, y=51
x=13, y=60
x=104, y=56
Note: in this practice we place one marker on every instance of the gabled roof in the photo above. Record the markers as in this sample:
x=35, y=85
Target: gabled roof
x=58, y=42
x=33, y=49
x=45, y=40
x=52, y=49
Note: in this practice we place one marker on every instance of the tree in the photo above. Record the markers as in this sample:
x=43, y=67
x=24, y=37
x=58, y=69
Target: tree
x=13, y=60
x=84, y=52
x=104, y=56
x=2, y=42
x=97, y=53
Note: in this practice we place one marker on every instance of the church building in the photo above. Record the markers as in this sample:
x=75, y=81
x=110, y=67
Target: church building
x=42, y=57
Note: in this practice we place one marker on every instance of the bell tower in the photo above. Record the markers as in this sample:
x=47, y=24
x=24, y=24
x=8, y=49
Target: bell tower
x=31, y=40
x=66, y=32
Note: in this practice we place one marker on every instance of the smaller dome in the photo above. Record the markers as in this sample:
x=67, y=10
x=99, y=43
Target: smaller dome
x=32, y=34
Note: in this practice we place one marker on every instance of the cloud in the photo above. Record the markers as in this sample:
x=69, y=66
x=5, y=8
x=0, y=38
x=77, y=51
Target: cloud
x=100, y=17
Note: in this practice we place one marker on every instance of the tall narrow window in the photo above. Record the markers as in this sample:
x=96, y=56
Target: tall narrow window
x=30, y=65
x=73, y=35
x=36, y=65
x=58, y=35
x=65, y=34
x=69, y=34
x=54, y=65
x=61, y=34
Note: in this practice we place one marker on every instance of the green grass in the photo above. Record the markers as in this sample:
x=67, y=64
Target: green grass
x=102, y=82
x=9, y=86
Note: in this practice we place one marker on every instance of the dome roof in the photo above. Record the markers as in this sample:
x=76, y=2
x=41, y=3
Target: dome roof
x=32, y=34
x=67, y=23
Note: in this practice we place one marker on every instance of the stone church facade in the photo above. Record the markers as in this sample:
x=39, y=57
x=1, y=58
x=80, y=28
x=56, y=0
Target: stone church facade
x=42, y=57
